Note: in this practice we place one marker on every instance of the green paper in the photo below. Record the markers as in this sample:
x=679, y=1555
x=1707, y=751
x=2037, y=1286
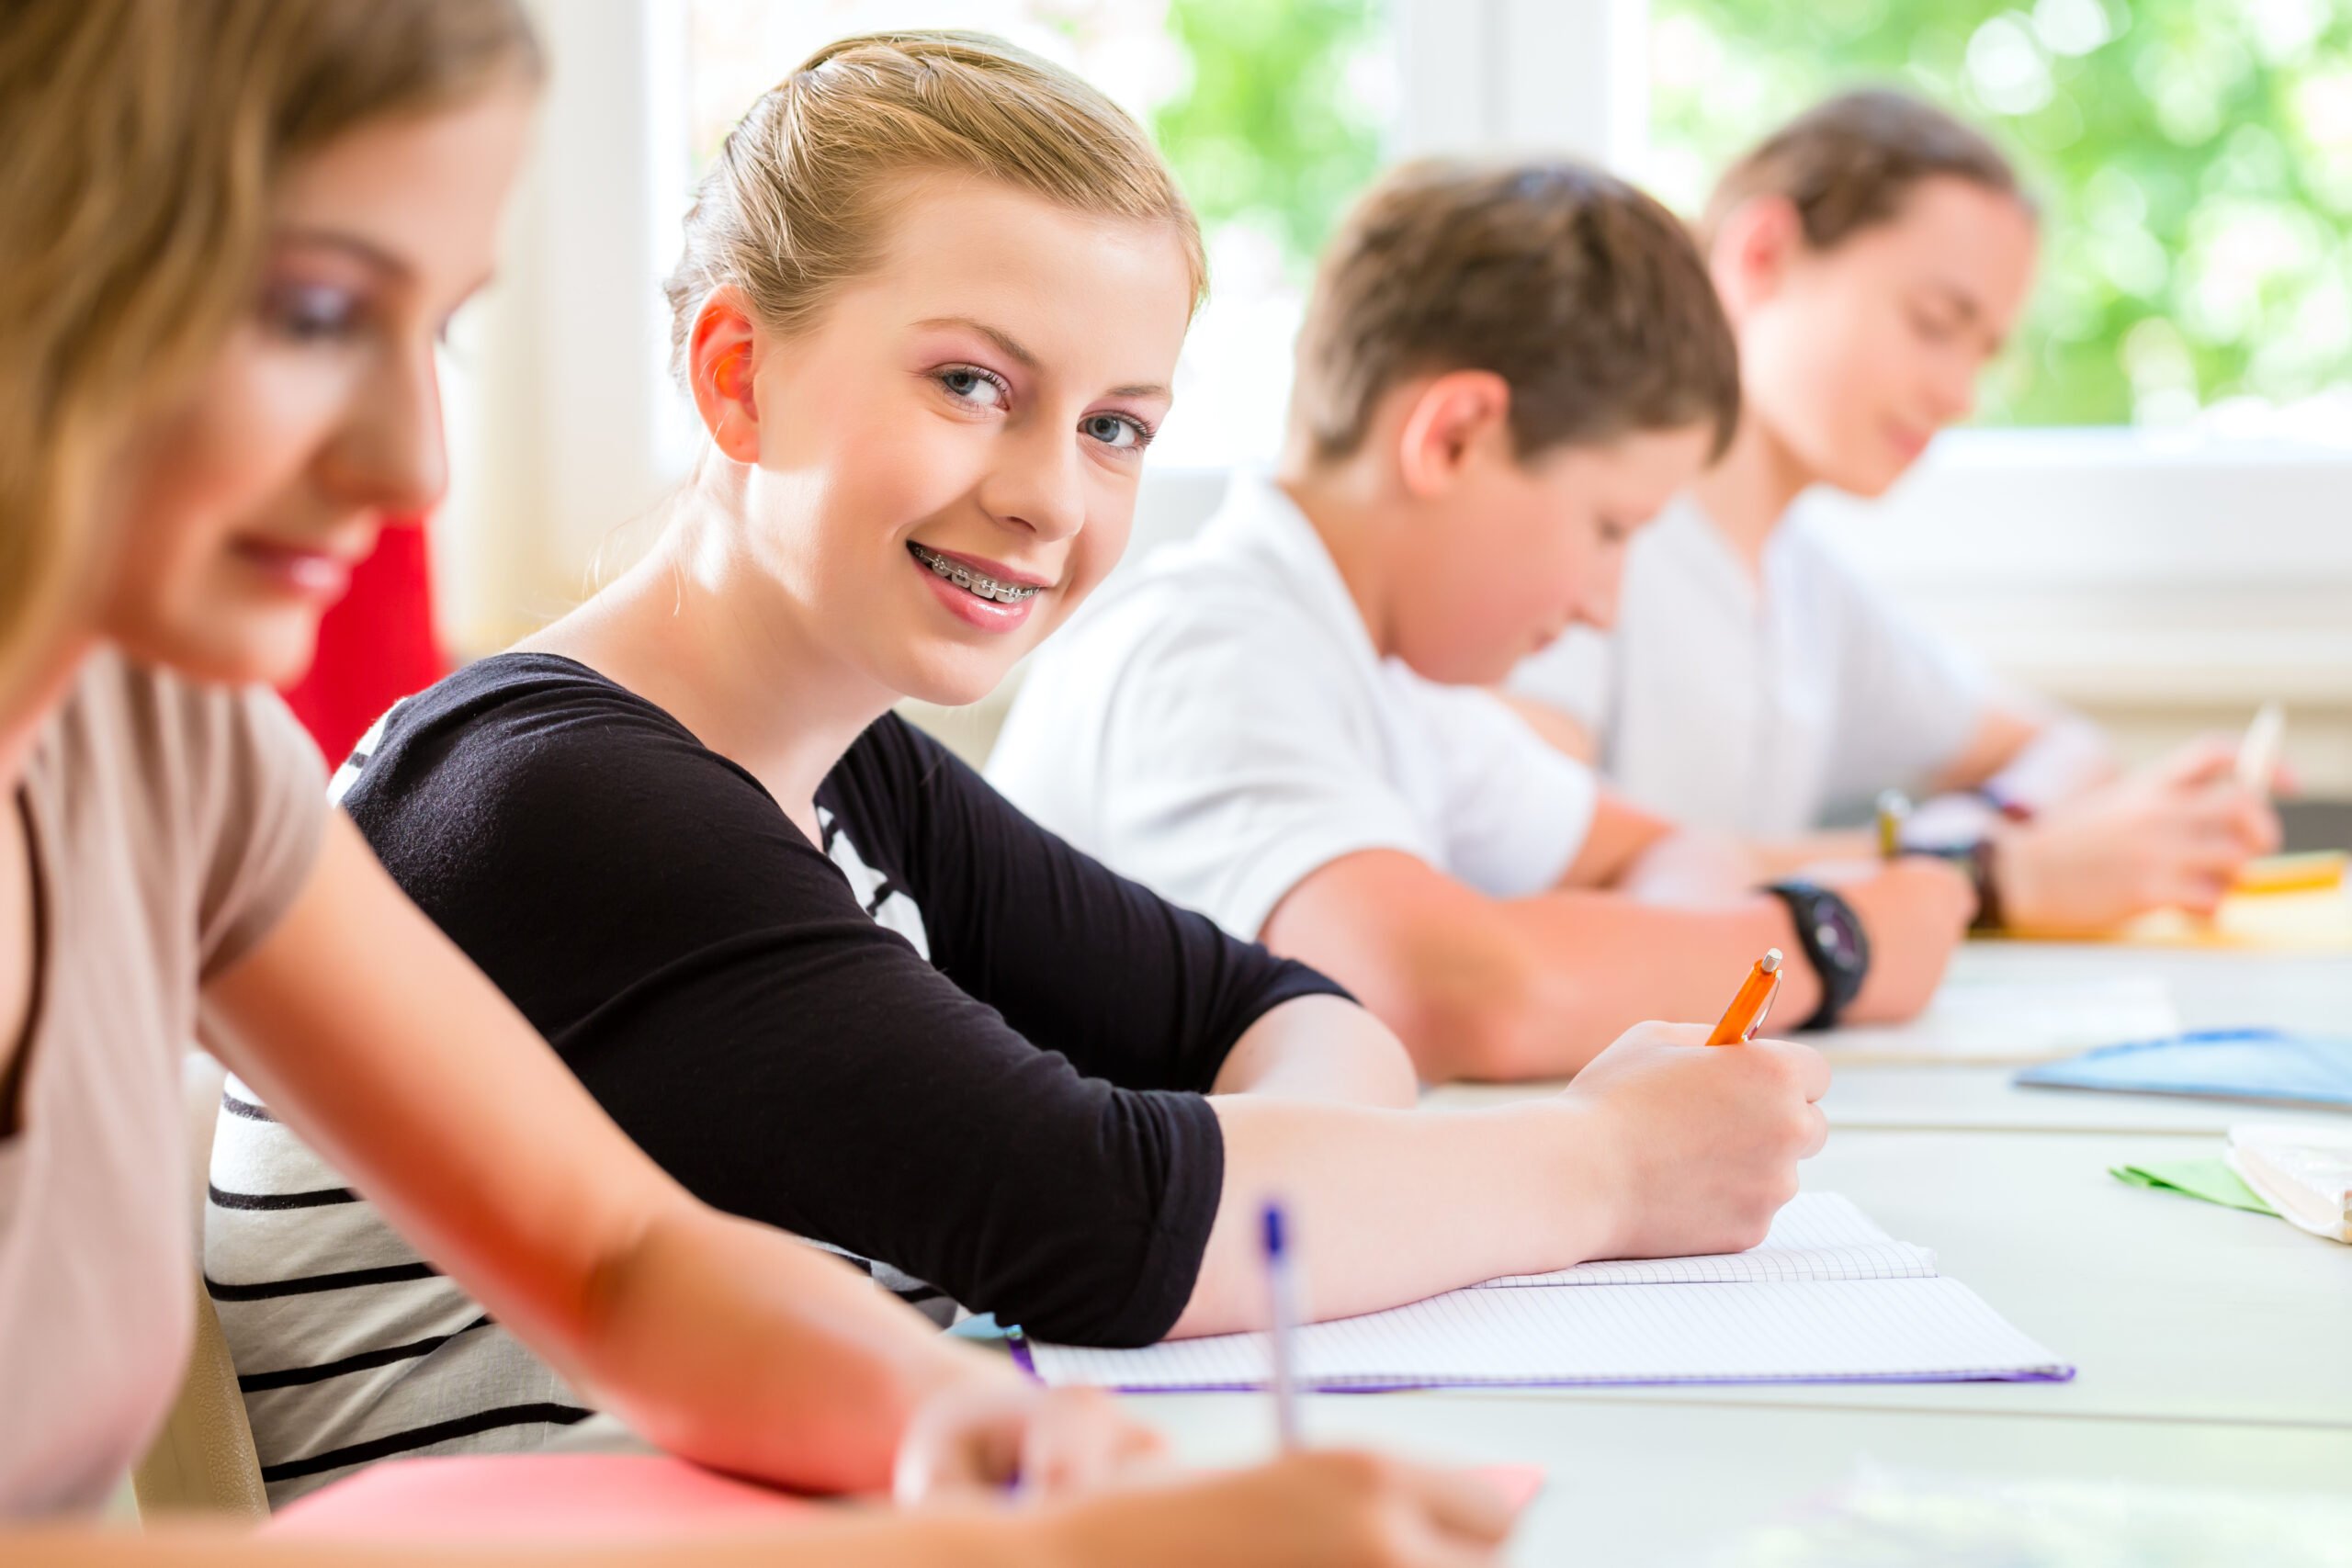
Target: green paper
x=2211, y=1180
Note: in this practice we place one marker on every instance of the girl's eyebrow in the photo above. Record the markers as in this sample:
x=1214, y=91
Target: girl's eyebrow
x=377, y=259
x=1014, y=350
x=372, y=254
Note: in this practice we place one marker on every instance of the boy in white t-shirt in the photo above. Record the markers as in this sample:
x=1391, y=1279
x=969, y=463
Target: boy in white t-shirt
x=1503, y=373
x=1872, y=255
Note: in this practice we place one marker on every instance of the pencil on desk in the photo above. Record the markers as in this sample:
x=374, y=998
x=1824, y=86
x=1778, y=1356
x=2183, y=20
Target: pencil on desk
x=2258, y=752
x=1745, y=1014
x=1893, y=810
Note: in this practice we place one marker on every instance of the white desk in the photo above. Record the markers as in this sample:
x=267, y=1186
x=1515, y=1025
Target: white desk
x=2214, y=1347
x=1631, y=1483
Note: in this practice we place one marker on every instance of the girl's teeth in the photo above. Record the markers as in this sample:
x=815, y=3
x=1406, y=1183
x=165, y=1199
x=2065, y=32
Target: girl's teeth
x=973, y=582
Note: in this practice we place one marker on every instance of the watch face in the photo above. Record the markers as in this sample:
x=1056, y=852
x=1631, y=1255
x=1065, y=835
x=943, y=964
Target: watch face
x=1833, y=931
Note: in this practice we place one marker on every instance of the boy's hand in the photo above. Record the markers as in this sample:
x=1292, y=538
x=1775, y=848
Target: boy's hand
x=1702, y=1142
x=2170, y=836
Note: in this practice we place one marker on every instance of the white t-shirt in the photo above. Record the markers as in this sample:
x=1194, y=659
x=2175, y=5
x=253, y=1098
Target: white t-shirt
x=1758, y=710
x=1218, y=726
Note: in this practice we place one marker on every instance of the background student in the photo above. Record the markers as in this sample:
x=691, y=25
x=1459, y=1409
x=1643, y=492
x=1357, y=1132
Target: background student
x=931, y=300
x=237, y=226
x=1874, y=256
x=1503, y=373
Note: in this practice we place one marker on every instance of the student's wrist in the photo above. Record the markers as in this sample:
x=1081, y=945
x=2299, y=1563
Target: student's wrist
x=951, y=1363
x=1836, y=945
x=1588, y=1162
x=2008, y=887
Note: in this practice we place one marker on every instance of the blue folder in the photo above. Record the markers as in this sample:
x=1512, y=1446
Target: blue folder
x=2225, y=1064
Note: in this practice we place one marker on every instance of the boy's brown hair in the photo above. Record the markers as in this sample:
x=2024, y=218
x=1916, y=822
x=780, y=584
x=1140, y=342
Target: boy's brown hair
x=1849, y=162
x=1586, y=298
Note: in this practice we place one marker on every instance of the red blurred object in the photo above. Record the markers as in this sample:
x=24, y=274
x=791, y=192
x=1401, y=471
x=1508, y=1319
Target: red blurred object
x=374, y=647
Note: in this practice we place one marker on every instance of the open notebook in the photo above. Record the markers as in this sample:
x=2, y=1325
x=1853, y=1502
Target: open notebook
x=1828, y=1298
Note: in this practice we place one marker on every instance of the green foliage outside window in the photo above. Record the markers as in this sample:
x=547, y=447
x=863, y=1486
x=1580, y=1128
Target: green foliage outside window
x=2193, y=159
x=1272, y=129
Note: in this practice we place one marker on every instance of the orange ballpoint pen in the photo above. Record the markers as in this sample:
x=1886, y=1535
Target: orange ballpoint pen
x=1745, y=1014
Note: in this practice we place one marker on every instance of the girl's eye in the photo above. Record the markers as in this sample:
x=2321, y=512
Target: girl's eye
x=1933, y=329
x=977, y=387
x=1119, y=430
x=310, y=313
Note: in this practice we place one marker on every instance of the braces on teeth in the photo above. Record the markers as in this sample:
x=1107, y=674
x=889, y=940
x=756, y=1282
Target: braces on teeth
x=971, y=581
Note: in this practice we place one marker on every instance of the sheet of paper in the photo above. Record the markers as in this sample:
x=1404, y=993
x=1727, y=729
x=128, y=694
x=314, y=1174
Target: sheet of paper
x=1819, y=1235
x=1775, y=1331
x=2211, y=1180
x=2304, y=1170
x=2014, y=1022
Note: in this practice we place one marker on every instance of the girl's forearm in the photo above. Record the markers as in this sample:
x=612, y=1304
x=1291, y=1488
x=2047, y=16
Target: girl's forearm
x=1391, y=1206
x=735, y=1345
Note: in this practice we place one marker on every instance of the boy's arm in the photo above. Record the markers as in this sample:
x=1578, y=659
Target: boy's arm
x=1628, y=850
x=1483, y=988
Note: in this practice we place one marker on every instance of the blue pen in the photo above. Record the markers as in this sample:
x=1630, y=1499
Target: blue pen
x=1282, y=1295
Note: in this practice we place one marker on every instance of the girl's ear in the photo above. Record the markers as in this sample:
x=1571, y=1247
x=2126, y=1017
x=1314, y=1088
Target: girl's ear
x=718, y=369
x=1755, y=244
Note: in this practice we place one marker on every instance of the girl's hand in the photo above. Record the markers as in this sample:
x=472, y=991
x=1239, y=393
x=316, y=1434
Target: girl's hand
x=1698, y=1143
x=984, y=1437
x=1330, y=1509
x=2173, y=835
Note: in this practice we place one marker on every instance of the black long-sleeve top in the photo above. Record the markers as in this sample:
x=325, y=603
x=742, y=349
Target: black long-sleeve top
x=943, y=1040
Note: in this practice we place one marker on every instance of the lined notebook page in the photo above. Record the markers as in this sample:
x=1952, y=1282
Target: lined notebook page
x=1818, y=1235
x=1832, y=1330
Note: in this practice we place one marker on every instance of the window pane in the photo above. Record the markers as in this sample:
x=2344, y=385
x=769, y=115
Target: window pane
x=1271, y=115
x=2194, y=158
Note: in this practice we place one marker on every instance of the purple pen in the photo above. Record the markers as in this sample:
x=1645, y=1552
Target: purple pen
x=1281, y=1297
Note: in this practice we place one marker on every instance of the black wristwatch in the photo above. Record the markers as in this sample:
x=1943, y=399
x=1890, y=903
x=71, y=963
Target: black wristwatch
x=1835, y=945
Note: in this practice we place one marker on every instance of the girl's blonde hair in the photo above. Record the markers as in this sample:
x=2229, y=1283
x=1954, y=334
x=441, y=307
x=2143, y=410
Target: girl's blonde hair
x=140, y=144
x=797, y=203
